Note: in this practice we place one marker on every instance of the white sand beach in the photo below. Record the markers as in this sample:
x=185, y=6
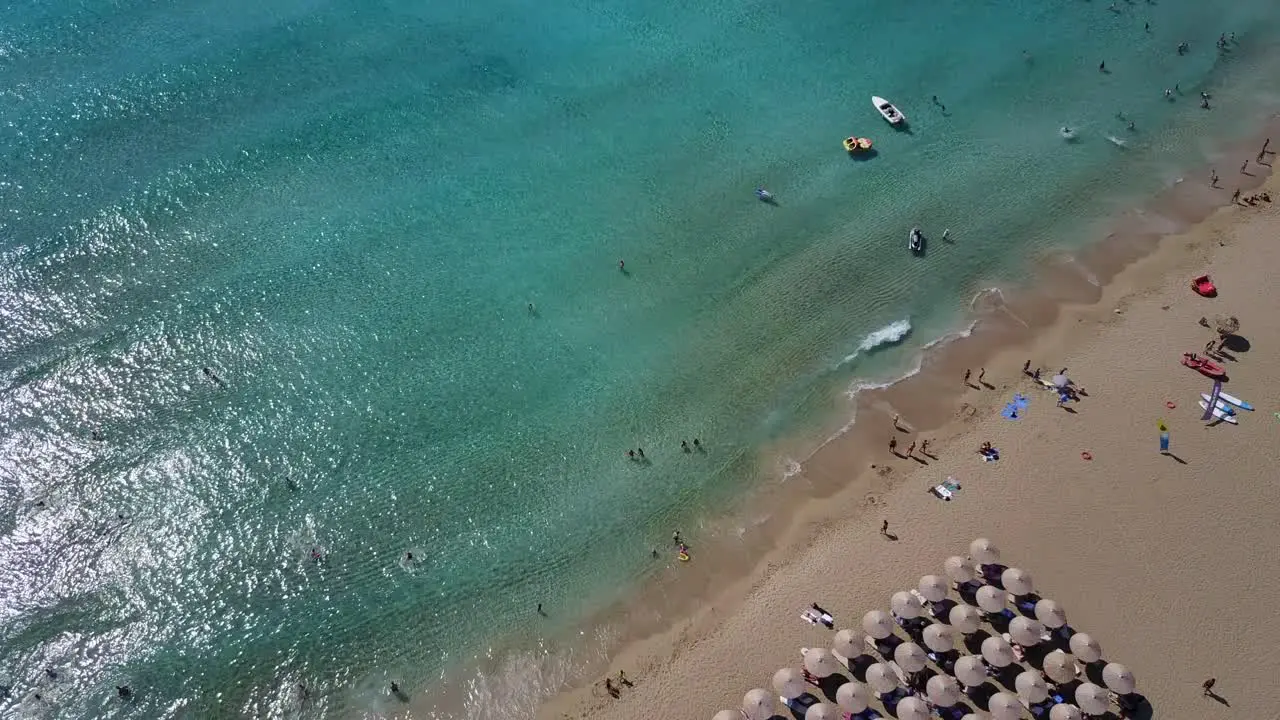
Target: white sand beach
x=1167, y=560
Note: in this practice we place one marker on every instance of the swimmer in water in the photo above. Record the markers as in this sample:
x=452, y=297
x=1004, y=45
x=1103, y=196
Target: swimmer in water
x=209, y=373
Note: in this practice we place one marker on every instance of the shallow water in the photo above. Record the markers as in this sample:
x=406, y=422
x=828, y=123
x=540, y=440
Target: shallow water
x=345, y=213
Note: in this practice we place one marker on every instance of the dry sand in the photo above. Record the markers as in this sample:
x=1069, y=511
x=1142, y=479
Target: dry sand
x=1170, y=562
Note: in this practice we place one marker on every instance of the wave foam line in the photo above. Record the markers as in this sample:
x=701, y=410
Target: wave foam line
x=891, y=334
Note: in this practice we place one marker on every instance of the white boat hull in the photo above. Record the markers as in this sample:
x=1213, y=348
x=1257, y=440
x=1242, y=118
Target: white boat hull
x=887, y=111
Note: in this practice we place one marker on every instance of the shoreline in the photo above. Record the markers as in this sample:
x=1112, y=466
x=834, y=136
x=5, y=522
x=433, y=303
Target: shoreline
x=780, y=522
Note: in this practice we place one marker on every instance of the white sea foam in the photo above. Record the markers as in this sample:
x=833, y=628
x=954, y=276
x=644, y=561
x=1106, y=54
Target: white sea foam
x=891, y=334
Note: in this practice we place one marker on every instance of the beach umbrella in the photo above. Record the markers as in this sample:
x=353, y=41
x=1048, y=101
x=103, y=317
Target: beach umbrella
x=881, y=678
x=1031, y=686
x=1016, y=581
x=910, y=657
x=960, y=569
x=965, y=618
x=943, y=690
x=939, y=637
x=1025, y=631
x=820, y=662
x=822, y=711
x=1118, y=678
x=984, y=552
x=728, y=715
x=1064, y=711
x=970, y=671
x=998, y=652
x=878, y=624
x=1061, y=380
x=1086, y=648
x=1092, y=699
x=933, y=587
x=848, y=644
x=853, y=696
x=1060, y=667
x=1004, y=706
x=991, y=599
x=757, y=704
x=789, y=683
x=905, y=605
x=912, y=708
x=1051, y=614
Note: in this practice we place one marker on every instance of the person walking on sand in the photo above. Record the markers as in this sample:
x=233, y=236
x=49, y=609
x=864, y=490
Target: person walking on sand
x=1026, y=368
x=893, y=445
x=911, y=448
x=1245, y=166
x=924, y=447
x=1208, y=685
x=896, y=423
x=1235, y=196
x=966, y=377
x=884, y=528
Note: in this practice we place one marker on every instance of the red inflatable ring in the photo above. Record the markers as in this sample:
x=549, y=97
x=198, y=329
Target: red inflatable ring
x=1171, y=404
x=1086, y=455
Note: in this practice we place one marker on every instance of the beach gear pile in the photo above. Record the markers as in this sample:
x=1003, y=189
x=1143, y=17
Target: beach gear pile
x=1015, y=410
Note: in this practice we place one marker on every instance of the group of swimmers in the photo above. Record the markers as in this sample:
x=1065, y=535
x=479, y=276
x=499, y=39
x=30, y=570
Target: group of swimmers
x=637, y=455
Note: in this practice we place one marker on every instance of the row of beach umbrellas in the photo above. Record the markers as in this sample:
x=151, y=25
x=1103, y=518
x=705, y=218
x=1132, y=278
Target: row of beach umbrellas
x=969, y=670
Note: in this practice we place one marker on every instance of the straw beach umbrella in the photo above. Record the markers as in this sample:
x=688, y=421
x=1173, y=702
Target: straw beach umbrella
x=820, y=662
x=912, y=708
x=998, y=652
x=881, y=678
x=1051, y=614
x=1004, y=706
x=933, y=588
x=1060, y=667
x=847, y=644
x=943, y=690
x=939, y=637
x=1118, y=678
x=910, y=657
x=965, y=618
x=789, y=683
x=1061, y=380
x=877, y=624
x=822, y=711
x=1017, y=581
x=1226, y=324
x=984, y=552
x=1025, y=631
x=853, y=696
x=970, y=671
x=991, y=599
x=1031, y=686
x=728, y=715
x=905, y=605
x=757, y=704
x=1086, y=648
x=1092, y=699
x=960, y=569
x=1063, y=711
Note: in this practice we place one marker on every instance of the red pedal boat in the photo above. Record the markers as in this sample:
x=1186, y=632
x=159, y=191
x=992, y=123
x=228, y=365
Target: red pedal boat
x=1204, y=365
x=1204, y=286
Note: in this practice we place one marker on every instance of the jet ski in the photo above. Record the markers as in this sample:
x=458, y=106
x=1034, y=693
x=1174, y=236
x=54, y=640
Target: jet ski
x=915, y=241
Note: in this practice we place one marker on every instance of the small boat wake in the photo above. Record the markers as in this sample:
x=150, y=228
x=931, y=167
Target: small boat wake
x=1118, y=142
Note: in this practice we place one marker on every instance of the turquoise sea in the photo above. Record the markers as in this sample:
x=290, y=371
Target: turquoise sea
x=392, y=232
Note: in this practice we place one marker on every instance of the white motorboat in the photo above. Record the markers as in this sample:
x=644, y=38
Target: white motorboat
x=915, y=241
x=887, y=110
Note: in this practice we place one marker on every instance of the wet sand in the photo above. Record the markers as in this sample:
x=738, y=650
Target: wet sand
x=1165, y=559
